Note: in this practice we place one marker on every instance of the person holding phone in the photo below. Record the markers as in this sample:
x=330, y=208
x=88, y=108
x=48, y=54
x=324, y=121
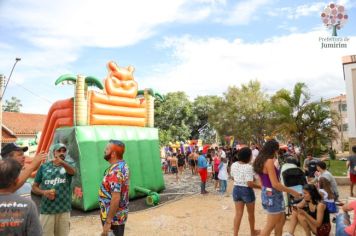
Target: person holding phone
x=311, y=213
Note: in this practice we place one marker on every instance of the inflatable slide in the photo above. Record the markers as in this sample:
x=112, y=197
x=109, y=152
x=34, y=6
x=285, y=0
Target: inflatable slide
x=86, y=122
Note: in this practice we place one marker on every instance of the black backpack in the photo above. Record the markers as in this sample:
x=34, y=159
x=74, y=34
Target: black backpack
x=312, y=167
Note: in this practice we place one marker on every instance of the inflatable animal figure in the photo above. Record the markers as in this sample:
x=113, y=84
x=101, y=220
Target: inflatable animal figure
x=119, y=106
x=120, y=81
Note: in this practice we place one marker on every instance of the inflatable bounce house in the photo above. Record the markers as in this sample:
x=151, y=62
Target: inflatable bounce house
x=85, y=123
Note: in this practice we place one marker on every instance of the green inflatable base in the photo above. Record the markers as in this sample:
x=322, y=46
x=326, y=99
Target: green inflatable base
x=86, y=145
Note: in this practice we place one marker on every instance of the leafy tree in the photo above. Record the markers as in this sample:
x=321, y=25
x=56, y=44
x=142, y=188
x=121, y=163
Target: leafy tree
x=243, y=113
x=174, y=117
x=202, y=106
x=289, y=109
x=310, y=124
x=12, y=105
x=322, y=122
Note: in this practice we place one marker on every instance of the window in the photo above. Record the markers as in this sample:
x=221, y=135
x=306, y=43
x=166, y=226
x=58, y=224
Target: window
x=345, y=127
x=342, y=107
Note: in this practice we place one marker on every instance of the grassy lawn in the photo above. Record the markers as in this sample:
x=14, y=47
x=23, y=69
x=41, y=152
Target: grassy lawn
x=337, y=168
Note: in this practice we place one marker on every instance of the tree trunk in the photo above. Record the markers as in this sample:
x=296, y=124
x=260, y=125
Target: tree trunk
x=80, y=105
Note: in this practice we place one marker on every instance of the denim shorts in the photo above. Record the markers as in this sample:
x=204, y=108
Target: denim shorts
x=243, y=194
x=272, y=200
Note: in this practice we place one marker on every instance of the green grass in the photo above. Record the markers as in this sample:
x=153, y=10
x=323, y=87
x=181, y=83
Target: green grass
x=337, y=168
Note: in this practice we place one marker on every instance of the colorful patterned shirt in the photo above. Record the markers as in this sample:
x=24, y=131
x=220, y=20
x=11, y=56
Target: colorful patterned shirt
x=116, y=179
x=54, y=177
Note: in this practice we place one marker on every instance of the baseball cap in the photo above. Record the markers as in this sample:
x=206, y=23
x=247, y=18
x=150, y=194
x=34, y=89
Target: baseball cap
x=58, y=146
x=12, y=147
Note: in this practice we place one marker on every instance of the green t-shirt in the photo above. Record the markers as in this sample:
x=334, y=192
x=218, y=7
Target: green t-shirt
x=48, y=177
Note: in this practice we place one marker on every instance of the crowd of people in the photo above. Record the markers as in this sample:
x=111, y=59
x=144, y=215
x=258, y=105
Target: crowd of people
x=312, y=206
x=250, y=168
x=18, y=213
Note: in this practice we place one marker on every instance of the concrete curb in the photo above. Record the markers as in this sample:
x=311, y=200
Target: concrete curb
x=342, y=180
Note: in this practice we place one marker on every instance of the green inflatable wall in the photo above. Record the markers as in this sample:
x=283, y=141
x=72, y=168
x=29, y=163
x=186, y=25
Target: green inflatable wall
x=86, y=145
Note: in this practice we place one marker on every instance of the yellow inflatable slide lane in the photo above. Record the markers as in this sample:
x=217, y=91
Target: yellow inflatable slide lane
x=119, y=106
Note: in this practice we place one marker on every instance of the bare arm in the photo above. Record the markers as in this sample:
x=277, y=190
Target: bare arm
x=274, y=180
x=305, y=167
x=114, y=205
x=37, y=190
x=347, y=207
x=302, y=204
x=319, y=217
x=69, y=169
x=253, y=184
x=27, y=171
x=59, y=162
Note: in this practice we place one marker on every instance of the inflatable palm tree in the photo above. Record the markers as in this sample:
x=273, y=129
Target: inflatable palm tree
x=80, y=98
x=150, y=97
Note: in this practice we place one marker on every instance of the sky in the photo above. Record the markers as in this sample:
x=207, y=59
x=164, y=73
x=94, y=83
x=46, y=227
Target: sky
x=197, y=46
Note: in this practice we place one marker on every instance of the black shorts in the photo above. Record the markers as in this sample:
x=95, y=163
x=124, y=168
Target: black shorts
x=181, y=163
x=174, y=169
x=216, y=175
x=192, y=162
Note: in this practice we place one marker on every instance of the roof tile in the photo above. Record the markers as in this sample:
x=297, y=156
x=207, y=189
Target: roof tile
x=23, y=123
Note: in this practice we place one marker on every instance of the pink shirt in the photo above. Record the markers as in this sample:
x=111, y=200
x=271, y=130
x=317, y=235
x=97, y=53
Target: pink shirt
x=351, y=228
x=216, y=164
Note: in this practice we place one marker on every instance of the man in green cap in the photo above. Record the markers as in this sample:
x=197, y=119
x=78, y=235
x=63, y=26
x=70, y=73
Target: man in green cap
x=53, y=183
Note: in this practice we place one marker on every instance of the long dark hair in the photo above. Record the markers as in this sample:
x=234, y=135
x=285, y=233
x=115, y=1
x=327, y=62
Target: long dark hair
x=325, y=184
x=314, y=194
x=267, y=152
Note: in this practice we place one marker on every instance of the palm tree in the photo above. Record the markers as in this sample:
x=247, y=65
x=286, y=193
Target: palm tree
x=150, y=96
x=322, y=125
x=308, y=123
x=289, y=109
x=80, y=98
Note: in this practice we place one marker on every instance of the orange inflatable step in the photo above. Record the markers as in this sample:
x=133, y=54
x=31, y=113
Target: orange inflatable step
x=116, y=120
x=103, y=109
x=96, y=97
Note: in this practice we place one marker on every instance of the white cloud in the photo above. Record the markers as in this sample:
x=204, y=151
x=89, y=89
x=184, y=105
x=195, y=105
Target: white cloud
x=209, y=66
x=299, y=11
x=50, y=36
x=288, y=28
x=243, y=12
x=309, y=9
x=109, y=23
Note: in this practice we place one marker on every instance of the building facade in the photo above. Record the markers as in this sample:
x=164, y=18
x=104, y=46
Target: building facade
x=338, y=104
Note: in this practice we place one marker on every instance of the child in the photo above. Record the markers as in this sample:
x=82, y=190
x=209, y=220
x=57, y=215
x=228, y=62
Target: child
x=223, y=175
x=327, y=194
x=216, y=163
x=210, y=169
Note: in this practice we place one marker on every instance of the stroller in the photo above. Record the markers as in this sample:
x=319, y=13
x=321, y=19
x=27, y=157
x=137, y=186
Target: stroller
x=292, y=177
